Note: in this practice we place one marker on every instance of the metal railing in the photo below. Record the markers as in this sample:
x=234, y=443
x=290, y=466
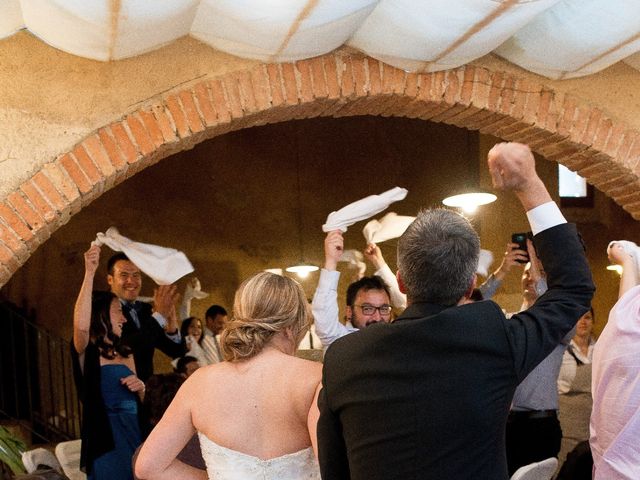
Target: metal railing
x=36, y=379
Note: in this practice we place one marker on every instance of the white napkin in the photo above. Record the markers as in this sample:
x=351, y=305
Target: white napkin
x=633, y=250
x=484, y=262
x=390, y=226
x=355, y=258
x=362, y=209
x=163, y=265
x=194, y=290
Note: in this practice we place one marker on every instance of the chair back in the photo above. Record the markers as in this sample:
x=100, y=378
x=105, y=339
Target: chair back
x=543, y=470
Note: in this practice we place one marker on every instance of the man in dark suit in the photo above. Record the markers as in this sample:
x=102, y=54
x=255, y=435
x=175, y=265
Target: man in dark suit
x=147, y=328
x=427, y=397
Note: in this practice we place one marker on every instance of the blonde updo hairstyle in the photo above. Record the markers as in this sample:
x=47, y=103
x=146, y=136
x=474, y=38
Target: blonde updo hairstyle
x=264, y=305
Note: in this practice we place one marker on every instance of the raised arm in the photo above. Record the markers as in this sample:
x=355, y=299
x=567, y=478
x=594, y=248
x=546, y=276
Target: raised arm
x=324, y=305
x=374, y=255
x=536, y=331
x=82, y=309
x=618, y=256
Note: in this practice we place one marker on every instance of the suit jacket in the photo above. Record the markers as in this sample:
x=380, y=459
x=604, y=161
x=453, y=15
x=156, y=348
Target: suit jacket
x=144, y=340
x=427, y=397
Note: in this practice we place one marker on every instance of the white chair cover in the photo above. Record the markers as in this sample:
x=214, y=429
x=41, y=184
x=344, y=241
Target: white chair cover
x=543, y=470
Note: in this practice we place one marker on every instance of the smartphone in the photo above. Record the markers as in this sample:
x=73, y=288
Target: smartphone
x=521, y=240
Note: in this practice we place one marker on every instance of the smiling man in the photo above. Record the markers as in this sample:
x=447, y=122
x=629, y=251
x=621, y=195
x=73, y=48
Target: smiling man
x=147, y=328
x=367, y=299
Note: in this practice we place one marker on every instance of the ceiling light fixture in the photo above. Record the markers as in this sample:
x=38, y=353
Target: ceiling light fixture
x=302, y=268
x=469, y=202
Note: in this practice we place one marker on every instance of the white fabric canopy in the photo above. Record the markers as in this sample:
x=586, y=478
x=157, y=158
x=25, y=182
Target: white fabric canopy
x=555, y=38
x=163, y=265
x=362, y=209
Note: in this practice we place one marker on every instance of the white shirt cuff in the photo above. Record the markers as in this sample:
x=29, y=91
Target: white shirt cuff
x=329, y=279
x=544, y=217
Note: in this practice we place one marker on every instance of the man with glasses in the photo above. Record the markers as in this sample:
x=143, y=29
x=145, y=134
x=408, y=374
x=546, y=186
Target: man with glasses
x=367, y=299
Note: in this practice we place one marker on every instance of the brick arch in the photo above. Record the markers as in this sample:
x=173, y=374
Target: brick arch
x=557, y=126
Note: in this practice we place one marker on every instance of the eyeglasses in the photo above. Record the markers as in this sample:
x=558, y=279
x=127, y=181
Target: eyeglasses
x=370, y=309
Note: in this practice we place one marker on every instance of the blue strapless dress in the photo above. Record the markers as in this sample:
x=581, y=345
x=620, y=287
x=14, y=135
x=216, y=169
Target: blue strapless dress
x=122, y=410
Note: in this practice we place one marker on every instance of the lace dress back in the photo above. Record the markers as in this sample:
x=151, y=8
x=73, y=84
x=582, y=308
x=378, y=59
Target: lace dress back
x=226, y=464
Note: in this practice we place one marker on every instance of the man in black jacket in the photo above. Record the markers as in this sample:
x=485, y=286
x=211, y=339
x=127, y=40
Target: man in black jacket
x=146, y=328
x=427, y=396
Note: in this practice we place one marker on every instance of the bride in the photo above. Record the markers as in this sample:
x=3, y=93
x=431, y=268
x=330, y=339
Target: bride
x=256, y=413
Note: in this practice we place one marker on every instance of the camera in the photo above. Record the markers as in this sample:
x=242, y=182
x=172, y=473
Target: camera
x=521, y=240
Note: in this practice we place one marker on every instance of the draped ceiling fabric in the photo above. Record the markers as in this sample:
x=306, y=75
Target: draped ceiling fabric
x=554, y=38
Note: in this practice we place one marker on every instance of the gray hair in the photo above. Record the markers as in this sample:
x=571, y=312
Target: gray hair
x=438, y=257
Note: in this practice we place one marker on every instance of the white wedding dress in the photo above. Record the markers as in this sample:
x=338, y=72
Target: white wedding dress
x=226, y=464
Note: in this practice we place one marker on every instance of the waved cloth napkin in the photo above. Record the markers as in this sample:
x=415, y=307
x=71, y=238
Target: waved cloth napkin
x=484, y=262
x=390, y=226
x=362, y=209
x=163, y=265
x=355, y=258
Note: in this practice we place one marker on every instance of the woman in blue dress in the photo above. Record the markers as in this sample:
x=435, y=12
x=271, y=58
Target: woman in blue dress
x=107, y=384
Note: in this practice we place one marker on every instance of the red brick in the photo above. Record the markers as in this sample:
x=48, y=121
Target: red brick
x=179, y=118
x=614, y=142
x=505, y=104
x=360, y=76
x=140, y=135
x=303, y=68
x=453, y=87
x=567, y=114
x=13, y=221
x=5, y=275
x=189, y=107
x=592, y=126
x=412, y=85
x=261, y=88
x=519, y=100
x=11, y=239
x=165, y=124
x=231, y=86
x=49, y=191
x=124, y=142
x=331, y=72
x=93, y=146
x=8, y=259
x=579, y=127
x=110, y=146
x=388, y=78
x=290, y=84
x=438, y=86
x=468, y=83
x=87, y=165
x=69, y=165
x=275, y=84
x=630, y=136
x=532, y=101
x=220, y=101
x=317, y=78
x=38, y=201
x=495, y=91
x=152, y=126
x=602, y=133
x=33, y=219
x=481, y=87
x=347, y=84
x=64, y=184
x=204, y=102
x=544, y=105
x=634, y=157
